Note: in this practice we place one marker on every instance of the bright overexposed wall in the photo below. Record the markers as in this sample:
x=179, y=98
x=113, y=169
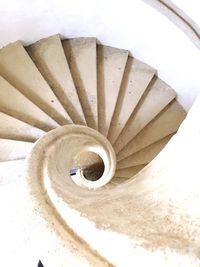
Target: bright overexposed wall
x=128, y=24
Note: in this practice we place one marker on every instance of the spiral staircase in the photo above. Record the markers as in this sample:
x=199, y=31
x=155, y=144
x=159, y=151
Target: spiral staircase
x=100, y=117
x=77, y=81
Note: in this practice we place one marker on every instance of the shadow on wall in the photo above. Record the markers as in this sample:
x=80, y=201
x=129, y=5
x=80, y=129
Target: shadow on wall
x=40, y=264
x=179, y=18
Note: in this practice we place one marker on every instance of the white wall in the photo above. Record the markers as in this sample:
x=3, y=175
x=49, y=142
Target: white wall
x=128, y=24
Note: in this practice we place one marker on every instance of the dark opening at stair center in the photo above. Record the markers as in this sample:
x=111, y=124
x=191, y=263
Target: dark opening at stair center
x=89, y=164
x=94, y=172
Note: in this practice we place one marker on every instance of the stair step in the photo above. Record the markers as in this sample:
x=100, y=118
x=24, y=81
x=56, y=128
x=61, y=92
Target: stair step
x=127, y=173
x=15, y=104
x=136, y=78
x=115, y=182
x=12, y=149
x=145, y=155
x=49, y=57
x=81, y=57
x=17, y=67
x=11, y=128
x=156, y=98
x=164, y=124
x=53, y=82
x=111, y=63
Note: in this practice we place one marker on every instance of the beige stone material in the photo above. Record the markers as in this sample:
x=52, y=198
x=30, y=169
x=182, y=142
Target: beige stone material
x=82, y=149
x=164, y=124
x=153, y=102
x=127, y=173
x=15, y=129
x=115, y=181
x=81, y=56
x=152, y=219
x=145, y=155
x=15, y=104
x=63, y=145
x=111, y=63
x=17, y=67
x=49, y=57
x=13, y=149
x=83, y=204
x=136, y=78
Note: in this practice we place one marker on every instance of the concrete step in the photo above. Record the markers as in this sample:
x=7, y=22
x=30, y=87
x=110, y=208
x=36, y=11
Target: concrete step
x=15, y=104
x=136, y=78
x=127, y=173
x=164, y=124
x=111, y=63
x=49, y=57
x=145, y=155
x=11, y=128
x=17, y=68
x=155, y=99
x=81, y=56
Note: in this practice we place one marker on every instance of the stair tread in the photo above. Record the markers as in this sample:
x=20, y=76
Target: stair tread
x=17, y=67
x=53, y=82
x=136, y=78
x=164, y=124
x=115, y=182
x=156, y=99
x=111, y=63
x=49, y=57
x=127, y=173
x=15, y=104
x=11, y=128
x=145, y=155
x=13, y=149
x=81, y=57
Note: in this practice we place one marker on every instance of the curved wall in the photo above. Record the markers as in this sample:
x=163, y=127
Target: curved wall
x=133, y=25
x=191, y=8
